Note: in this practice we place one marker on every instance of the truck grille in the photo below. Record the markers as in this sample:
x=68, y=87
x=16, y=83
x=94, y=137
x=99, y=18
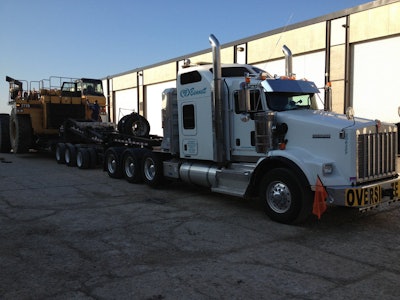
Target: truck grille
x=376, y=155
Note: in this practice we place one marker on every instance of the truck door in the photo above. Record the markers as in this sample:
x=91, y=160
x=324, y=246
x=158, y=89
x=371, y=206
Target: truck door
x=243, y=128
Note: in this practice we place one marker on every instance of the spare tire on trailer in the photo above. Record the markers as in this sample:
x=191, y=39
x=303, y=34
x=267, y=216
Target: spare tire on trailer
x=5, y=144
x=135, y=124
x=21, y=133
x=121, y=123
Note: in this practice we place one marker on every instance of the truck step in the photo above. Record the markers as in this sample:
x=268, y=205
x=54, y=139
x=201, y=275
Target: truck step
x=233, y=181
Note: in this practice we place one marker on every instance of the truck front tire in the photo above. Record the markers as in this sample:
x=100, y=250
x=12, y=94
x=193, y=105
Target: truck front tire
x=284, y=198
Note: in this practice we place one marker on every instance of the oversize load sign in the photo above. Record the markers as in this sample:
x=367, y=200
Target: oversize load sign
x=369, y=195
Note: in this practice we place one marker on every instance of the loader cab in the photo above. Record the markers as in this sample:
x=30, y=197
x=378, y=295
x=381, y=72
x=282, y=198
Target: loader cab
x=15, y=89
x=91, y=91
x=92, y=87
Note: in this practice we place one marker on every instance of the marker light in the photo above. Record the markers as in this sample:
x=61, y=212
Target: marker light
x=327, y=168
x=263, y=75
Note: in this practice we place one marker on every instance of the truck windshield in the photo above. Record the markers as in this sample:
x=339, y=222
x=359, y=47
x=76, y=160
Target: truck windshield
x=290, y=101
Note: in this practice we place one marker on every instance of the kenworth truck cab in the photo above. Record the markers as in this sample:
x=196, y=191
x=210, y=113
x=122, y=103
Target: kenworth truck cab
x=242, y=132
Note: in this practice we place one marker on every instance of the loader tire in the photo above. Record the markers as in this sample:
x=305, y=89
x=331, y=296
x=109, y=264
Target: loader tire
x=5, y=144
x=136, y=125
x=21, y=134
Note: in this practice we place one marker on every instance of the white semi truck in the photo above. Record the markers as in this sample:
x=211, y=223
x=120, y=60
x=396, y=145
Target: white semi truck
x=239, y=131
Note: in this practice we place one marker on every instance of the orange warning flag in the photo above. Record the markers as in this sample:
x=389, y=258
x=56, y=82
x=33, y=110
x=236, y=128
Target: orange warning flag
x=319, y=206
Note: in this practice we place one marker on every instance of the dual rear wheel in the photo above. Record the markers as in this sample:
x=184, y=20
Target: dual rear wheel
x=135, y=165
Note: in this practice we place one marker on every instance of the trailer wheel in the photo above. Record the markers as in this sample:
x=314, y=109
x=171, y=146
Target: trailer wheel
x=60, y=153
x=83, y=158
x=20, y=132
x=132, y=165
x=284, y=198
x=136, y=125
x=5, y=144
x=70, y=155
x=112, y=162
x=152, y=168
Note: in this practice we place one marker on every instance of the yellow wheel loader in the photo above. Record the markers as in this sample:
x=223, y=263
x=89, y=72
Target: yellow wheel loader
x=37, y=116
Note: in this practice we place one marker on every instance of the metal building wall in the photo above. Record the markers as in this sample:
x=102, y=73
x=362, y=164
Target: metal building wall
x=324, y=49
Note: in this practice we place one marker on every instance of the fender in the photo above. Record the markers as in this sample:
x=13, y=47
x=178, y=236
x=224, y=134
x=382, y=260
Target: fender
x=305, y=165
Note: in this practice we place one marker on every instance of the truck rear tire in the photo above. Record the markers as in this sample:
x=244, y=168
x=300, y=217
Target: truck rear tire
x=112, y=162
x=152, y=167
x=132, y=165
x=284, y=198
x=5, y=144
x=21, y=134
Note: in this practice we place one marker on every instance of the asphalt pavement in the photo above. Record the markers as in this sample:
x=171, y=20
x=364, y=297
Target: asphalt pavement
x=67, y=233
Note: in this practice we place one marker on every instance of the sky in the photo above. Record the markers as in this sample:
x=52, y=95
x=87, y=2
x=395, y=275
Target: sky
x=98, y=38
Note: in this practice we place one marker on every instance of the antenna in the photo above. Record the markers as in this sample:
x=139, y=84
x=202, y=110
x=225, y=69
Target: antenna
x=280, y=36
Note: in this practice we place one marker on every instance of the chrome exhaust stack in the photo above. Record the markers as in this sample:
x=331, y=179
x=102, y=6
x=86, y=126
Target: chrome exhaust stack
x=219, y=148
x=288, y=61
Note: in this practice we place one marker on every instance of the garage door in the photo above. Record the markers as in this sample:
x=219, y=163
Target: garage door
x=153, y=105
x=375, y=80
x=125, y=102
